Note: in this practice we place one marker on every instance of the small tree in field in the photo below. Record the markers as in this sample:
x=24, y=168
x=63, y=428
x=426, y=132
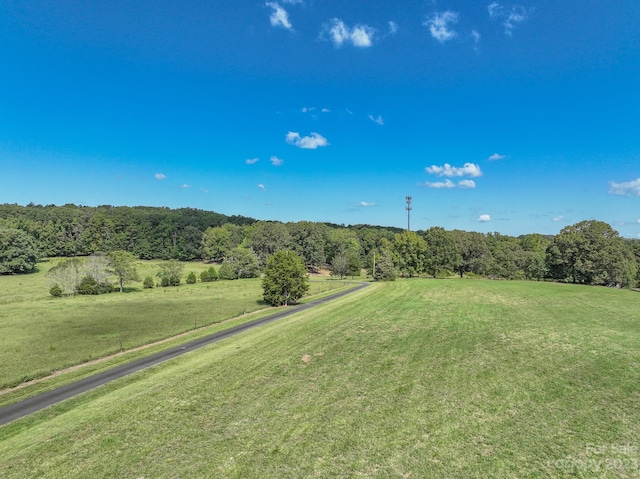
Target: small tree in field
x=170, y=273
x=285, y=278
x=123, y=265
x=191, y=278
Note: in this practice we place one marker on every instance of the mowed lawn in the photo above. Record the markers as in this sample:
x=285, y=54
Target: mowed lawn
x=40, y=334
x=419, y=378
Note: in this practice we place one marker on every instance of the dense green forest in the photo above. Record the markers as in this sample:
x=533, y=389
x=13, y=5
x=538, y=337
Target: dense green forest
x=589, y=252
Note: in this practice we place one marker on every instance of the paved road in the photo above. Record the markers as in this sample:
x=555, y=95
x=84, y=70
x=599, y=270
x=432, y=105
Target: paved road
x=41, y=401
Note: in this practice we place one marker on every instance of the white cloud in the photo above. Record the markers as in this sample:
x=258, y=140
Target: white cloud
x=510, y=17
x=275, y=161
x=558, y=218
x=628, y=188
x=469, y=169
x=326, y=110
x=484, y=218
x=306, y=109
x=367, y=204
x=262, y=187
x=339, y=33
x=496, y=156
x=279, y=17
x=440, y=25
x=393, y=27
x=252, y=161
x=378, y=120
x=448, y=184
x=475, y=35
x=204, y=190
x=306, y=142
x=185, y=186
x=440, y=184
x=160, y=176
x=467, y=184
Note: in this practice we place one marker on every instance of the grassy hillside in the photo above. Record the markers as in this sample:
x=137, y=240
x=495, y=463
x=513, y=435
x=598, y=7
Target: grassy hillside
x=423, y=378
x=39, y=333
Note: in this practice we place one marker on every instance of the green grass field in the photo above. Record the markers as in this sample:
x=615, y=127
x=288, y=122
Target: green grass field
x=420, y=378
x=40, y=334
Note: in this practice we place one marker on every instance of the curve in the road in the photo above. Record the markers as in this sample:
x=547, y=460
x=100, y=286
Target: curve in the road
x=30, y=405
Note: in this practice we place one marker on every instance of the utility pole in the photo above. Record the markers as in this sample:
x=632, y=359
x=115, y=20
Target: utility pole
x=408, y=198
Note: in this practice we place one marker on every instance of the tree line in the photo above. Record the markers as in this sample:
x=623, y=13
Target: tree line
x=588, y=252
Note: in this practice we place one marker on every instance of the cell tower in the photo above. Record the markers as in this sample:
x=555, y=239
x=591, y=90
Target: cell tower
x=408, y=198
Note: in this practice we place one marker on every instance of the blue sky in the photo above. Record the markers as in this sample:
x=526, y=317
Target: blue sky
x=516, y=117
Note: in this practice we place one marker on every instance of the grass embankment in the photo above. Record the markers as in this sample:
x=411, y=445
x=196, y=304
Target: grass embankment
x=419, y=378
x=40, y=334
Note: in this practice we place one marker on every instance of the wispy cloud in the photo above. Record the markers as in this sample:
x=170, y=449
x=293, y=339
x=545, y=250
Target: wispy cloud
x=252, y=161
x=275, y=161
x=469, y=169
x=496, y=156
x=475, y=35
x=484, y=218
x=558, y=218
x=510, y=17
x=262, y=187
x=440, y=25
x=204, y=190
x=628, y=188
x=339, y=33
x=185, y=186
x=160, y=176
x=440, y=184
x=448, y=184
x=393, y=28
x=377, y=120
x=367, y=204
x=279, y=17
x=311, y=142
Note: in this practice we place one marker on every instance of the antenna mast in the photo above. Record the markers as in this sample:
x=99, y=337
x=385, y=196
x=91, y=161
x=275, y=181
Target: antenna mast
x=408, y=198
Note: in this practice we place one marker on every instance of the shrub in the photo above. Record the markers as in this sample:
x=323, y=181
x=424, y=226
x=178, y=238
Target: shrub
x=191, y=278
x=208, y=275
x=148, y=283
x=55, y=291
x=89, y=285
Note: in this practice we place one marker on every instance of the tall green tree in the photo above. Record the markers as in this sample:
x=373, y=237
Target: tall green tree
x=309, y=241
x=591, y=252
x=285, y=278
x=409, y=249
x=475, y=256
x=240, y=263
x=441, y=253
x=123, y=265
x=216, y=243
x=19, y=251
x=267, y=237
